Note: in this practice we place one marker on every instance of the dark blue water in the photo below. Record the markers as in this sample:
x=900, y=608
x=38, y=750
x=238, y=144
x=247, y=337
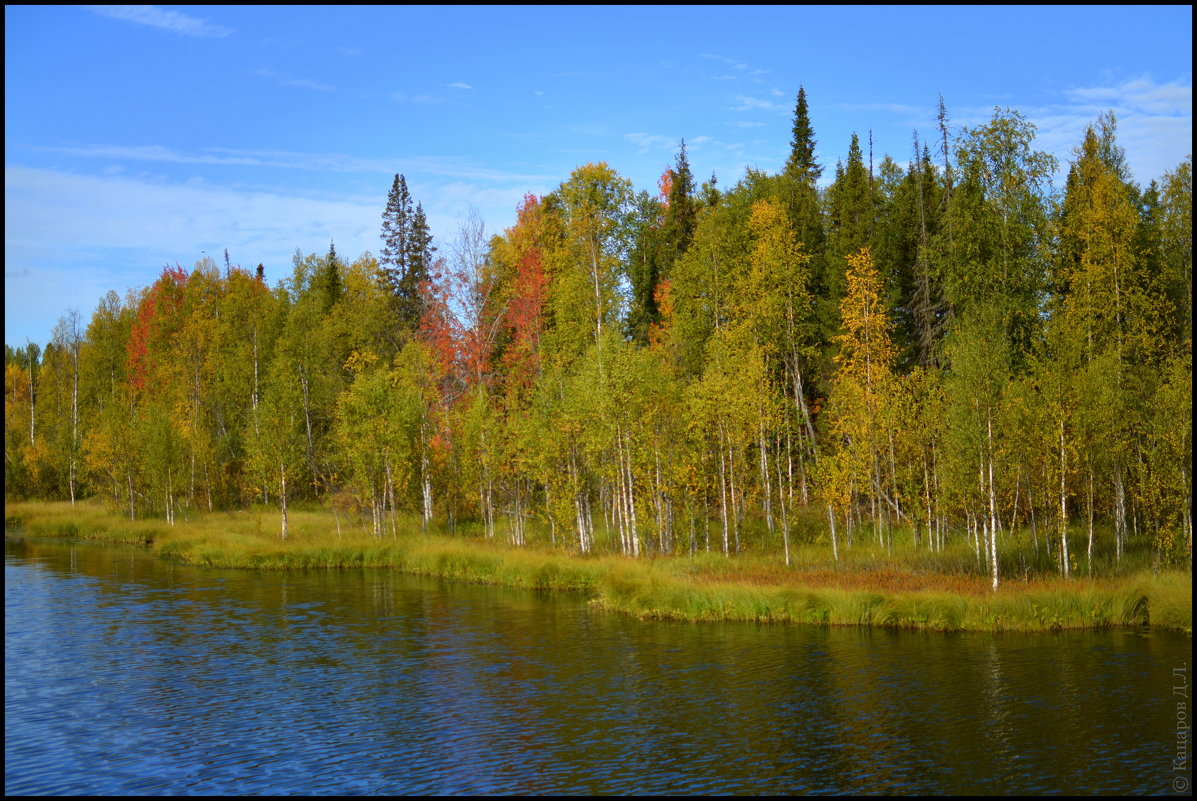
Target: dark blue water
x=128, y=675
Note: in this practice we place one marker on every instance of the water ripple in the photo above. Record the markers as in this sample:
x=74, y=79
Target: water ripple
x=127, y=676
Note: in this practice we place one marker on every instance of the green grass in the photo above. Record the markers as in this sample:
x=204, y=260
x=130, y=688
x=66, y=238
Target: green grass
x=869, y=586
x=1164, y=601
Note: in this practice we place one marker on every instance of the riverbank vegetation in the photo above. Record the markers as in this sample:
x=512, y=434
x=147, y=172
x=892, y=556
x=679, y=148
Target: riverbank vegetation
x=903, y=588
x=949, y=363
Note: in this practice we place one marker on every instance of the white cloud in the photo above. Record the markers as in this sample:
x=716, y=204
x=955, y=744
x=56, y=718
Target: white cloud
x=404, y=97
x=917, y=112
x=156, y=17
x=459, y=85
x=286, y=80
x=735, y=64
x=1141, y=95
x=1155, y=123
x=740, y=69
x=70, y=238
x=648, y=142
x=280, y=159
x=67, y=214
x=746, y=103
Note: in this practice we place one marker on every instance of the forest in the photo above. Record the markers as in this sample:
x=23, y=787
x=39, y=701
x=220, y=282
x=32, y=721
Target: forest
x=943, y=352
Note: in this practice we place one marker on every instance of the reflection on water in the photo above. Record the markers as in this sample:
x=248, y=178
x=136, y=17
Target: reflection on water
x=128, y=675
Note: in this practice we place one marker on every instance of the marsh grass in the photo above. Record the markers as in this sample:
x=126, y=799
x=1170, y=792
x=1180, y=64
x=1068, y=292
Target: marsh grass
x=868, y=586
x=1164, y=601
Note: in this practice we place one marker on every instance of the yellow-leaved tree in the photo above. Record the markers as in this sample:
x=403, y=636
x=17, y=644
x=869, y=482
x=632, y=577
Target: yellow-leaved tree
x=860, y=407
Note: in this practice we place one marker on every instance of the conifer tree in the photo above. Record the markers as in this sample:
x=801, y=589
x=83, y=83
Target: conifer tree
x=681, y=214
x=644, y=261
x=666, y=229
x=852, y=208
x=406, y=255
x=1176, y=249
x=851, y=222
x=801, y=163
x=395, y=225
x=328, y=281
x=908, y=219
x=797, y=189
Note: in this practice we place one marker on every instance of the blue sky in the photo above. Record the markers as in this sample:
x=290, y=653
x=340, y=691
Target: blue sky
x=137, y=137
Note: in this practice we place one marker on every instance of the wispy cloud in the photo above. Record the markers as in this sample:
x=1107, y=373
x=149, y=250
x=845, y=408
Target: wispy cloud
x=287, y=80
x=459, y=85
x=58, y=220
x=281, y=159
x=419, y=99
x=648, y=142
x=156, y=17
x=889, y=108
x=735, y=64
x=1155, y=123
x=1141, y=95
x=746, y=103
x=127, y=212
x=142, y=225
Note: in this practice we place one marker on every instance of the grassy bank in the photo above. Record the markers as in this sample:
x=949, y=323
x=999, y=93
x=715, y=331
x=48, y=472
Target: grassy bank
x=864, y=589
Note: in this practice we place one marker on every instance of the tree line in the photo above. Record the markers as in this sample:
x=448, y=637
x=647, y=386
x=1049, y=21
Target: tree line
x=953, y=349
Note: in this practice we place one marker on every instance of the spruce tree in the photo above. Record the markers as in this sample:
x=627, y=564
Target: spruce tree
x=395, y=226
x=852, y=216
x=644, y=264
x=664, y=238
x=420, y=264
x=406, y=255
x=682, y=213
x=801, y=163
x=852, y=209
x=907, y=219
x=800, y=193
x=328, y=281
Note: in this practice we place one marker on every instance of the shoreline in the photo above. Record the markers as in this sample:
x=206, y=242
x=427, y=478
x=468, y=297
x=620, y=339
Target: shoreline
x=706, y=587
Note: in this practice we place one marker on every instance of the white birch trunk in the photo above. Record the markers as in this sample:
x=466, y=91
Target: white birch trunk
x=766, y=488
x=1063, y=507
x=992, y=505
x=723, y=491
x=283, y=496
x=835, y=548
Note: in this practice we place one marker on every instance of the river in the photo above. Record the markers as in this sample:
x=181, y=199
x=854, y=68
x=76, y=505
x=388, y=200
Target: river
x=124, y=674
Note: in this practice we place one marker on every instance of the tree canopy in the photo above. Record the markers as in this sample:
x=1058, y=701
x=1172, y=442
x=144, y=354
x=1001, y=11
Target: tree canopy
x=955, y=349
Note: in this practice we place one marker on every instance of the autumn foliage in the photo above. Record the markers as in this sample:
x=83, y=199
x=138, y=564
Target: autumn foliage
x=938, y=354
x=157, y=319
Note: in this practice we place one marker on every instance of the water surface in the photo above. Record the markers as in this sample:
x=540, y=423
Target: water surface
x=125, y=674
